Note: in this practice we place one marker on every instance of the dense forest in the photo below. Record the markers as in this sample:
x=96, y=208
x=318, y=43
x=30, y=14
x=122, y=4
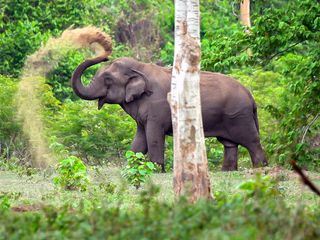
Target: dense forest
x=43, y=123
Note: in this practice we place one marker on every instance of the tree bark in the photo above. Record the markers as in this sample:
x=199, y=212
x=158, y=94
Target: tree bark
x=245, y=19
x=245, y=13
x=191, y=177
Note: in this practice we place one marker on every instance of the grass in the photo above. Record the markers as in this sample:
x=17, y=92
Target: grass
x=38, y=188
x=110, y=209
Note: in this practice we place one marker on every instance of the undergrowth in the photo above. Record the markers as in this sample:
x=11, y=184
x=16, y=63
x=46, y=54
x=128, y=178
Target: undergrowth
x=256, y=211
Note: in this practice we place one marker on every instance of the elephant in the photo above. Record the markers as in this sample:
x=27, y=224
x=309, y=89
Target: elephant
x=229, y=111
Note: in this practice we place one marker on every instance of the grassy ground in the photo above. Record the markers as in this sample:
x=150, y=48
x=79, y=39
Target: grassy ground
x=38, y=190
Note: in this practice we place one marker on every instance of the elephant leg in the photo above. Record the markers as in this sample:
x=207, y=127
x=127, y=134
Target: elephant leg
x=139, y=143
x=230, y=161
x=155, y=141
x=243, y=130
x=257, y=155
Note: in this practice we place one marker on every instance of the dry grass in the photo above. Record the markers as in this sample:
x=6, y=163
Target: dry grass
x=39, y=189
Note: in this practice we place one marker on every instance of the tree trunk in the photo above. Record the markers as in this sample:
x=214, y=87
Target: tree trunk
x=245, y=13
x=245, y=19
x=190, y=161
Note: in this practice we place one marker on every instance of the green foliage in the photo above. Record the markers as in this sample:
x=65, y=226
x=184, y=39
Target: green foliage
x=9, y=129
x=96, y=136
x=260, y=187
x=284, y=46
x=138, y=170
x=4, y=202
x=12, y=142
x=214, y=152
x=297, y=109
x=25, y=24
x=59, y=77
x=72, y=174
x=252, y=213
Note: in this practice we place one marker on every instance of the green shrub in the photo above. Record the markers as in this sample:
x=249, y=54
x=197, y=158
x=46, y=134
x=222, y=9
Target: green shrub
x=260, y=187
x=24, y=25
x=138, y=170
x=93, y=135
x=4, y=202
x=72, y=174
x=12, y=142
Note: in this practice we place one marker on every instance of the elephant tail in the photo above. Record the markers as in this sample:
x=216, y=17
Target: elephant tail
x=255, y=115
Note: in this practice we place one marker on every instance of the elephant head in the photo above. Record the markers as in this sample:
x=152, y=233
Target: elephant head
x=121, y=82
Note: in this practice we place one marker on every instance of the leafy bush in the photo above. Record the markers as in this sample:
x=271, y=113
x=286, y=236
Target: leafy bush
x=138, y=169
x=96, y=136
x=12, y=142
x=261, y=186
x=4, y=203
x=24, y=25
x=9, y=129
x=72, y=174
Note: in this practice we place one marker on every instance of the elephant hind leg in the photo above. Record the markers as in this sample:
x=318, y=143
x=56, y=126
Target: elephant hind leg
x=230, y=161
x=257, y=154
x=243, y=130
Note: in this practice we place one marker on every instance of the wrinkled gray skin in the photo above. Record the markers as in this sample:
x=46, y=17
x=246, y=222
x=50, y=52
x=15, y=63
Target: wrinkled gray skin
x=228, y=109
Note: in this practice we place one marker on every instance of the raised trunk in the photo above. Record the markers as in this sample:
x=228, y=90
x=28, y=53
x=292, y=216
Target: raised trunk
x=190, y=161
x=91, y=92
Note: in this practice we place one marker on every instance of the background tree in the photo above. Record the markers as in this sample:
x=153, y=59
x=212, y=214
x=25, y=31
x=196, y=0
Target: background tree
x=190, y=159
x=245, y=13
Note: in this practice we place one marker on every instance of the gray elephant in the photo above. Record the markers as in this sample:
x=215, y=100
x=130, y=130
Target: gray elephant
x=228, y=109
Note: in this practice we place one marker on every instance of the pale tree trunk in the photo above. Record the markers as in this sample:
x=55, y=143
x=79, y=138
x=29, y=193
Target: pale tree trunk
x=245, y=13
x=191, y=177
x=245, y=19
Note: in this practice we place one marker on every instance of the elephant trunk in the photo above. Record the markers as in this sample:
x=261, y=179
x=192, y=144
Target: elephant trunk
x=92, y=91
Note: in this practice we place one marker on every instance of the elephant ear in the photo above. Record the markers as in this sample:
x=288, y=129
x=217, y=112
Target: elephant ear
x=137, y=85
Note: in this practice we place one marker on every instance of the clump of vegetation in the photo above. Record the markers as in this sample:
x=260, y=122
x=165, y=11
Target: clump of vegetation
x=138, y=169
x=260, y=186
x=72, y=174
x=4, y=202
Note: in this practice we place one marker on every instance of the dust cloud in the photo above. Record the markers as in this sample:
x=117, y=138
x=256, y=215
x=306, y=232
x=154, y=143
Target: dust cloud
x=37, y=66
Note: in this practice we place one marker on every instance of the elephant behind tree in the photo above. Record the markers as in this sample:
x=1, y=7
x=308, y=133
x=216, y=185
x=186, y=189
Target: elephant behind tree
x=228, y=109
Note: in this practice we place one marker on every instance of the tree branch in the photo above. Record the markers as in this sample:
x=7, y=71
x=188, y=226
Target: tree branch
x=308, y=126
x=304, y=178
x=285, y=50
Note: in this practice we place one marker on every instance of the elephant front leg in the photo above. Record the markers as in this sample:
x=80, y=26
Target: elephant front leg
x=139, y=143
x=155, y=141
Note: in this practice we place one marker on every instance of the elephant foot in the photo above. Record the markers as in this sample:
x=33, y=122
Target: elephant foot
x=229, y=168
x=230, y=162
x=162, y=166
x=260, y=164
x=163, y=169
x=261, y=161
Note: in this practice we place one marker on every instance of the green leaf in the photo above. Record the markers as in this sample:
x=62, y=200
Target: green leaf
x=139, y=155
x=150, y=165
x=129, y=154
